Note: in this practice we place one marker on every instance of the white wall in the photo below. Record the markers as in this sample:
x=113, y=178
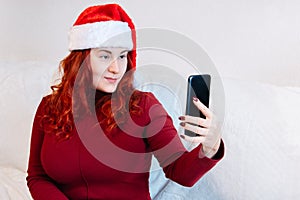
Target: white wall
x=252, y=40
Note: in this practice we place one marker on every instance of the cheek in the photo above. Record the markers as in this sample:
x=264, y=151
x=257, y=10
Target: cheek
x=97, y=73
x=97, y=69
x=124, y=67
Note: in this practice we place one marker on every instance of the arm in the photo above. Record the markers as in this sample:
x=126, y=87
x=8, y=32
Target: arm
x=40, y=184
x=191, y=166
x=183, y=167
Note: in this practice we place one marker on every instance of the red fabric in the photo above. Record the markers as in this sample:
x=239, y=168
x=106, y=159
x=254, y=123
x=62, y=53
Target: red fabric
x=67, y=170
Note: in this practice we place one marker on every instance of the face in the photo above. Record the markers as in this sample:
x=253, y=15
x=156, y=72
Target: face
x=108, y=66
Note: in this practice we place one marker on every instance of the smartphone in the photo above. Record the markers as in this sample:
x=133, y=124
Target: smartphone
x=198, y=86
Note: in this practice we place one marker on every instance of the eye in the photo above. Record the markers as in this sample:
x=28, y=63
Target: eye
x=104, y=57
x=123, y=56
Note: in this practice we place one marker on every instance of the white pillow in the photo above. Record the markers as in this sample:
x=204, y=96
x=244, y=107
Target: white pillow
x=13, y=184
x=261, y=134
x=22, y=86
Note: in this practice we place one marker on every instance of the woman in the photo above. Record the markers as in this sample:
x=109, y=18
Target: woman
x=73, y=156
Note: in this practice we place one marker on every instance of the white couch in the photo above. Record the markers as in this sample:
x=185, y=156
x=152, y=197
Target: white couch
x=260, y=130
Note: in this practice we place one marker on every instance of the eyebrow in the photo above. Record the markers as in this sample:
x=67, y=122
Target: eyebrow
x=111, y=52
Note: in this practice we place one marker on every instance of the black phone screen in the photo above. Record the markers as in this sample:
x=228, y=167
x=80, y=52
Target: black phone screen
x=198, y=86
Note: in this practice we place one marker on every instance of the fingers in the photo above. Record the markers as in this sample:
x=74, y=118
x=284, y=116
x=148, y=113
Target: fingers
x=206, y=112
x=198, y=125
x=194, y=128
x=195, y=120
x=206, y=128
x=199, y=139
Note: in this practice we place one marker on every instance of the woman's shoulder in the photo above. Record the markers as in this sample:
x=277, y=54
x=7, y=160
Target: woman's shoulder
x=44, y=102
x=149, y=103
x=45, y=99
x=146, y=97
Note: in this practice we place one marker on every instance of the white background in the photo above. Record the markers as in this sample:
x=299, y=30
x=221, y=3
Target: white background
x=250, y=40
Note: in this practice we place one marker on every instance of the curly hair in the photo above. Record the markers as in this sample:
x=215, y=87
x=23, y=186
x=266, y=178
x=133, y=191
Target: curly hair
x=64, y=105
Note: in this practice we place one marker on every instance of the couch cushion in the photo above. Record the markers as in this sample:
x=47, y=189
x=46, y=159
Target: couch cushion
x=22, y=86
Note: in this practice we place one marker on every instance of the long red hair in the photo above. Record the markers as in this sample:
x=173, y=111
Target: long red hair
x=74, y=97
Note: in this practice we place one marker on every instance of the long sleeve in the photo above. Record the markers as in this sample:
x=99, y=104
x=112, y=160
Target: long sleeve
x=179, y=165
x=40, y=184
x=191, y=166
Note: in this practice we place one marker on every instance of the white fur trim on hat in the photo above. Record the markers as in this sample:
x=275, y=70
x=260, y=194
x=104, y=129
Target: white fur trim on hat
x=100, y=34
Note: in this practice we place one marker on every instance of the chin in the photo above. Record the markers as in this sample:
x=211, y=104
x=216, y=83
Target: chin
x=107, y=90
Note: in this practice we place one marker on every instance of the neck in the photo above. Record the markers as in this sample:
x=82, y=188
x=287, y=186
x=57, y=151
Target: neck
x=99, y=94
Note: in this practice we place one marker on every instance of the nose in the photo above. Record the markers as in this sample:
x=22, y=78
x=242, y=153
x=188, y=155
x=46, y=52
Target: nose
x=114, y=67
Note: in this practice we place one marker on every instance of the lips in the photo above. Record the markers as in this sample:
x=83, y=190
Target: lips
x=111, y=80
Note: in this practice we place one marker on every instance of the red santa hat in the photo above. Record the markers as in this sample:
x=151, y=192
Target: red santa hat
x=103, y=26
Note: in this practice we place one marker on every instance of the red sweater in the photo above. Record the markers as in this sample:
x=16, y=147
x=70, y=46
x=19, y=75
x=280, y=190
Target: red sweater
x=93, y=165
